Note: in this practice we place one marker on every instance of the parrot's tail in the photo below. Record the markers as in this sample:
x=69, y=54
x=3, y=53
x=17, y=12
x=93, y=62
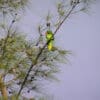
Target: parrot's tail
x=50, y=46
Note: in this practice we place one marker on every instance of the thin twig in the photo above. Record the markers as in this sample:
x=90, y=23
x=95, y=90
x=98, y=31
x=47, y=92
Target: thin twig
x=8, y=33
x=40, y=35
x=37, y=57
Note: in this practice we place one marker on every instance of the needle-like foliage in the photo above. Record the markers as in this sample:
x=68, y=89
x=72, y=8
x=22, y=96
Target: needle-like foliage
x=25, y=65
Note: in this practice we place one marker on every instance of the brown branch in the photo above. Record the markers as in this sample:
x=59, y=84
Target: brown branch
x=3, y=89
x=39, y=54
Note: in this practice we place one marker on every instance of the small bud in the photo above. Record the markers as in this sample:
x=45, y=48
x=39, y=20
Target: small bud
x=28, y=91
x=16, y=14
x=48, y=24
x=13, y=21
x=10, y=92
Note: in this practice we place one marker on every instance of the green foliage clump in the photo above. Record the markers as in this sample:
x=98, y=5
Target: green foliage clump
x=9, y=6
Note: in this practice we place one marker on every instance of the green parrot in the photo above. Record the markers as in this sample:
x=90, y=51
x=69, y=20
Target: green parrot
x=49, y=36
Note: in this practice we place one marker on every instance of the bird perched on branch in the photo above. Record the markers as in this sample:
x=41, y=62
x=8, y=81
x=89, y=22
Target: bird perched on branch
x=49, y=37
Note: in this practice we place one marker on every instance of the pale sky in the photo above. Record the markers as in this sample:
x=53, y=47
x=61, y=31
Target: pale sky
x=80, y=79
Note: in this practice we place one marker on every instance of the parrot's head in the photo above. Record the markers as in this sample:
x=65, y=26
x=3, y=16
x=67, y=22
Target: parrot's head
x=48, y=32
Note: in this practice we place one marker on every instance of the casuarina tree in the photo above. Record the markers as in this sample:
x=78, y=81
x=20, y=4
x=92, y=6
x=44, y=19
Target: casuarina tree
x=24, y=64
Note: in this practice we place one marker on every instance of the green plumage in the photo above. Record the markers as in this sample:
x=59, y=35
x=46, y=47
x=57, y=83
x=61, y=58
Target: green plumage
x=50, y=37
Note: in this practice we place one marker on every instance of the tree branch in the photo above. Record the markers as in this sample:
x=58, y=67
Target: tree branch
x=3, y=89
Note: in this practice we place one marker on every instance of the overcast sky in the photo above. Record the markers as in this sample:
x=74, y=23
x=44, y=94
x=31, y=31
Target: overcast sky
x=80, y=79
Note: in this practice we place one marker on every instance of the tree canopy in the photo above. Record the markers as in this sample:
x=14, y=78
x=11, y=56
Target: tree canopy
x=29, y=63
